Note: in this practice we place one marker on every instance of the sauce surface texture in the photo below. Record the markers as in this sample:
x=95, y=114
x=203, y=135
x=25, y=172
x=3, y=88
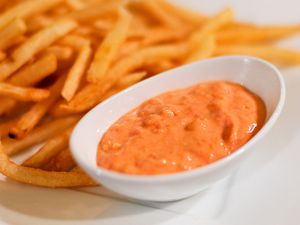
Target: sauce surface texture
x=182, y=129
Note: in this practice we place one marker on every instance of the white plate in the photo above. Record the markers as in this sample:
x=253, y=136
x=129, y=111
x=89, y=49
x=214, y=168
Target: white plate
x=264, y=191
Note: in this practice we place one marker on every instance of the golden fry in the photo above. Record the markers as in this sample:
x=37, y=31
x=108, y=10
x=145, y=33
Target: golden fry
x=163, y=35
x=85, y=99
x=31, y=118
x=22, y=93
x=35, y=44
x=10, y=32
x=62, y=53
x=205, y=49
x=108, y=49
x=62, y=162
x=255, y=34
x=75, y=41
x=154, y=9
x=76, y=72
x=39, y=177
x=43, y=39
x=211, y=25
x=131, y=79
x=39, y=134
x=96, y=10
x=280, y=56
x=35, y=72
x=52, y=148
x=186, y=15
x=25, y=9
x=92, y=94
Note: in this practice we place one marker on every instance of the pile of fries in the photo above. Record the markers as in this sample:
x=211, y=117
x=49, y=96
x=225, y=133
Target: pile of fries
x=60, y=58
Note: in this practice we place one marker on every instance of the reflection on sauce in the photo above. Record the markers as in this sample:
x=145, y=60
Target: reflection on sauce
x=182, y=130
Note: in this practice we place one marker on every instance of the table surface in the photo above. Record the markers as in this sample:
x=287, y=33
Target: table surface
x=265, y=190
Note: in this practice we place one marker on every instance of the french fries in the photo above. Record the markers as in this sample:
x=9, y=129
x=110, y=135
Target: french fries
x=26, y=9
x=77, y=70
x=34, y=45
x=255, y=34
x=52, y=148
x=62, y=53
x=280, y=56
x=38, y=135
x=206, y=48
x=186, y=15
x=31, y=118
x=62, y=162
x=92, y=93
x=43, y=178
x=60, y=58
x=35, y=72
x=154, y=9
x=108, y=49
x=23, y=94
x=10, y=32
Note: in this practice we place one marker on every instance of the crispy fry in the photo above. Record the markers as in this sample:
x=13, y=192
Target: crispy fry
x=62, y=53
x=76, y=72
x=108, y=48
x=34, y=73
x=28, y=76
x=25, y=9
x=214, y=23
x=163, y=35
x=39, y=135
x=205, y=49
x=23, y=94
x=85, y=99
x=42, y=178
x=75, y=41
x=94, y=11
x=35, y=44
x=52, y=147
x=255, y=34
x=92, y=94
x=127, y=48
x=154, y=9
x=280, y=56
x=131, y=79
x=62, y=162
x=103, y=24
x=58, y=111
x=31, y=118
x=10, y=32
x=186, y=15
x=143, y=57
x=43, y=39
x=161, y=66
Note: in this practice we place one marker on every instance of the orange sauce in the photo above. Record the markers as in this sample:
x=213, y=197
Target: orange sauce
x=182, y=129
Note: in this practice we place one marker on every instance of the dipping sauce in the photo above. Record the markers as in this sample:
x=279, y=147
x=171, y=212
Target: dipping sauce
x=182, y=129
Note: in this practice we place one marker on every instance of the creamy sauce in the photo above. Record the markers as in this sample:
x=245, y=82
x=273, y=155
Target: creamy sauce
x=182, y=129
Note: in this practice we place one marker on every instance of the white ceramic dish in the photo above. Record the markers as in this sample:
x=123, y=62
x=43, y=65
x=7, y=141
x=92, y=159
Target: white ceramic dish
x=259, y=76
